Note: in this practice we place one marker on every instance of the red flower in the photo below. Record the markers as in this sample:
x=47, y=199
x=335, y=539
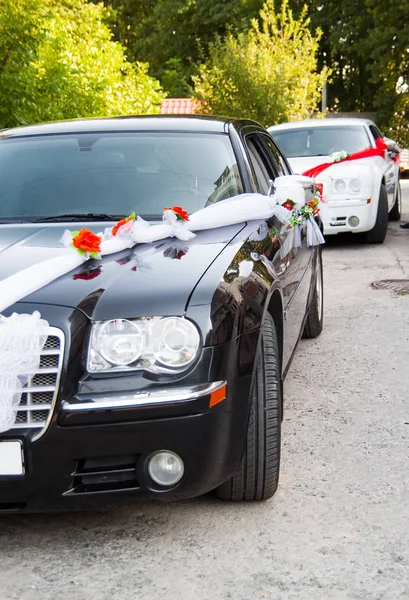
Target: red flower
x=180, y=213
x=122, y=222
x=288, y=205
x=320, y=189
x=86, y=241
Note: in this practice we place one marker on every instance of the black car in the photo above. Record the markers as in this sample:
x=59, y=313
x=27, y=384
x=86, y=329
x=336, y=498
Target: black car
x=103, y=419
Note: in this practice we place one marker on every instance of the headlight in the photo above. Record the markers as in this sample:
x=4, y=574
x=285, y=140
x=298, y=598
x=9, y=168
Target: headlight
x=354, y=186
x=119, y=342
x=340, y=185
x=168, y=344
x=174, y=342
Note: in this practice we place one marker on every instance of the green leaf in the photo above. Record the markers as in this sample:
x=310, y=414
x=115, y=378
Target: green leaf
x=58, y=61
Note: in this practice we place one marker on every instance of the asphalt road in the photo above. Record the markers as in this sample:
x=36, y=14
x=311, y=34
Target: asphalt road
x=338, y=528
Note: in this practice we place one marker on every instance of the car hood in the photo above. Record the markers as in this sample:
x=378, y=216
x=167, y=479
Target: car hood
x=299, y=164
x=149, y=280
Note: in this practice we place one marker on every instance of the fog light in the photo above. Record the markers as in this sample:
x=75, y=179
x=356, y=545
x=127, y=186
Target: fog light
x=166, y=468
x=353, y=221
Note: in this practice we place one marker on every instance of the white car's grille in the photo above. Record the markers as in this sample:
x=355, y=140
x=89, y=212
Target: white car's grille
x=40, y=392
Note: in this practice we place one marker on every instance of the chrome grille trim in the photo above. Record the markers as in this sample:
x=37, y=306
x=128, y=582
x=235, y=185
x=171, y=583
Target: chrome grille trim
x=39, y=395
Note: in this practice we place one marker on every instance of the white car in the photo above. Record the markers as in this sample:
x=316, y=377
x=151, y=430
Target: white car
x=360, y=195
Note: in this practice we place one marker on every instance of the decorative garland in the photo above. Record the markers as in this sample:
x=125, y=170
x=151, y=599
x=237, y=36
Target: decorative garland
x=22, y=337
x=343, y=156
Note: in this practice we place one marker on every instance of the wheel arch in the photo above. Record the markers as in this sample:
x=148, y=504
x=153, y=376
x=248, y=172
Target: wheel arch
x=275, y=309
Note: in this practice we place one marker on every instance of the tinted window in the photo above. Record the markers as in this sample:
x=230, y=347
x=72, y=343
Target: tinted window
x=261, y=168
x=283, y=168
x=321, y=141
x=375, y=132
x=115, y=173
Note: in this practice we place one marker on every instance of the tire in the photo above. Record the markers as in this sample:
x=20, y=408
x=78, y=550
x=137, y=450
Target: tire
x=378, y=233
x=315, y=310
x=395, y=213
x=257, y=476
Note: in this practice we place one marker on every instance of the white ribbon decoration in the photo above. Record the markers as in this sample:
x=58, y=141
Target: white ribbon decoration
x=22, y=337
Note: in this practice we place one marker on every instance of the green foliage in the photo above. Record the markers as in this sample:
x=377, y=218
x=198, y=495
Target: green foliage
x=344, y=48
x=164, y=31
x=389, y=67
x=58, y=61
x=175, y=77
x=365, y=44
x=268, y=73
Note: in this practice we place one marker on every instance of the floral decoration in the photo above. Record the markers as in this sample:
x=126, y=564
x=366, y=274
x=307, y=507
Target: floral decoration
x=311, y=208
x=289, y=204
x=124, y=225
x=85, y=241
x=339, y=156
x=320, y=191
x=181, y=215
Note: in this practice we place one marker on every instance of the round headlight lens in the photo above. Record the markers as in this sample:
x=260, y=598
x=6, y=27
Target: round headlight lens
x=175, y=342
x=120, y=342
x=355, y=186
x=340, y=185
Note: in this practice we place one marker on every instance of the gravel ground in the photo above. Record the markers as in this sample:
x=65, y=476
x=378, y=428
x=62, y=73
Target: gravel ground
x=338, y=526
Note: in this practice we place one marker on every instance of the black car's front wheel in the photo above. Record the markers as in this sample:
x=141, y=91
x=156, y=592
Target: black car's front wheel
x=257, y=475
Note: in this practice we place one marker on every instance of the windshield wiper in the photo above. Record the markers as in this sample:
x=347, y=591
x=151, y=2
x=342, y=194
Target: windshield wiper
x=79, y=217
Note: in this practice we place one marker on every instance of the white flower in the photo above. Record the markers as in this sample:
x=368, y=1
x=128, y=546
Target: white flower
x=338, y=156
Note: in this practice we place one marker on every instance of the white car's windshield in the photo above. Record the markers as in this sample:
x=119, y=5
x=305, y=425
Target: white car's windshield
x=115, y=173
x=321, y=141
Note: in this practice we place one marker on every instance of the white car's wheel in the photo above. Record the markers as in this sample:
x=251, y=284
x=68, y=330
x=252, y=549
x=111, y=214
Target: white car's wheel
x=378, y=232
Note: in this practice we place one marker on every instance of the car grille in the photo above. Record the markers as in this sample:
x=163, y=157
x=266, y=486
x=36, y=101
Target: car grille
x=40, y=392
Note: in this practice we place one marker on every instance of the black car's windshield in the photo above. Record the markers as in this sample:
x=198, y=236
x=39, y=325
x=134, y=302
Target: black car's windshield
x=321, y=141
x=114, y=174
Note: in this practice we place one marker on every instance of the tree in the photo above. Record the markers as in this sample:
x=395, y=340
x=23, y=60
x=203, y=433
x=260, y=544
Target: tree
x=389, y=43
x=365, y=44
x=268, y=73
x=58, y=60
x=174, y=34
x=344, y=49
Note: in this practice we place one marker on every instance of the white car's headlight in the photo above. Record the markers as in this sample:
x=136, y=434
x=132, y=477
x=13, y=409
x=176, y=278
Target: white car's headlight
x=354, y=186
x=340, y=185
x=157, y=344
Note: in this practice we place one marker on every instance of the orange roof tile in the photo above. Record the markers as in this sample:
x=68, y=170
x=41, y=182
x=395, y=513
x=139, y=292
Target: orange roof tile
x=179, y=106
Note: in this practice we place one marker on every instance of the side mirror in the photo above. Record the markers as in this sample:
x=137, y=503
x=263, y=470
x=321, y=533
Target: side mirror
x=290, y=182
x=392, y=146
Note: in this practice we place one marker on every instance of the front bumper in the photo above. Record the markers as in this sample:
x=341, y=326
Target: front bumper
x=337, y=214
x=82, y=466
x=103, y=431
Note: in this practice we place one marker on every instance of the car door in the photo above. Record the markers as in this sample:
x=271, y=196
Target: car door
x=390, y=169
x=293, y=268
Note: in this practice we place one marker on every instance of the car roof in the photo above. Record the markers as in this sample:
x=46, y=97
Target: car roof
x=334, y=122
x=203, y=124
